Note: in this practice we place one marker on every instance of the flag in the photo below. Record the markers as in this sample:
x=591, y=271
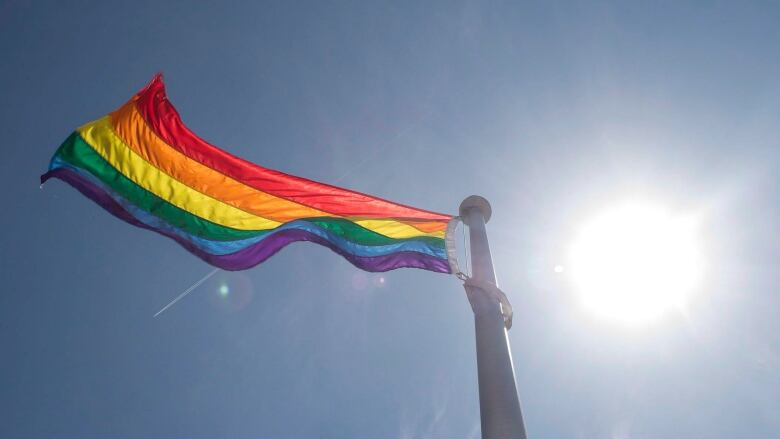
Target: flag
x=143, y=165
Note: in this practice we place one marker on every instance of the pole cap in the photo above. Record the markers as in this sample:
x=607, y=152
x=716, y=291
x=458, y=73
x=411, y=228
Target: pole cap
x=476, y=202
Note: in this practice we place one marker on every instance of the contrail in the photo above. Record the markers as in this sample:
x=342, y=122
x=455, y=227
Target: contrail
x=187, y=291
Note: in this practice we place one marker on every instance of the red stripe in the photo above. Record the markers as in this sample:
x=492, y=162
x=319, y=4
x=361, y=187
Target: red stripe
x=160, y=114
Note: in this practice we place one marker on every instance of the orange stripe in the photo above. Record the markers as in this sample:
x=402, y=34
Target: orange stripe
x=132, y=128
x=427, y=226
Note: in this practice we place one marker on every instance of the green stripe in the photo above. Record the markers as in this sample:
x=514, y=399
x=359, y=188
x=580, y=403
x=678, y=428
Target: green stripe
x=77, y=152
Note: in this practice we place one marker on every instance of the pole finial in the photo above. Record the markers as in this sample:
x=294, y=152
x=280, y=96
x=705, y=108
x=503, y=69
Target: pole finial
x=476, y=202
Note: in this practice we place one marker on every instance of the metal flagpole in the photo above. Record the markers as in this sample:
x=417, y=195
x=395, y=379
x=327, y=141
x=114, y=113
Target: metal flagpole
x=499, y=404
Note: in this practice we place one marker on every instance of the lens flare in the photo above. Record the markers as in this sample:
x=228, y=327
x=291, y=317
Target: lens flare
x=232, y=291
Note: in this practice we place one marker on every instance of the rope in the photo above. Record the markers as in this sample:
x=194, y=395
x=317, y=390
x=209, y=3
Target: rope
x=467, y=250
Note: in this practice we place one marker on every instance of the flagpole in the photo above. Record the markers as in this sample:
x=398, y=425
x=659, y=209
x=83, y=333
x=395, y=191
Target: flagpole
x=499, y=404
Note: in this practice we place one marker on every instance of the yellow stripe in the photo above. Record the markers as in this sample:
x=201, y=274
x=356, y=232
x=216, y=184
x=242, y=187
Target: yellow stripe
x=103, y=139
x=395, y=229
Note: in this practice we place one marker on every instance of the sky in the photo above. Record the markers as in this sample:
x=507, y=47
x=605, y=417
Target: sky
x=551, y=110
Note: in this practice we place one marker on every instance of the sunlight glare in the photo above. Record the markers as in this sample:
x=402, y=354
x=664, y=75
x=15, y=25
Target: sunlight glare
x=635, y=263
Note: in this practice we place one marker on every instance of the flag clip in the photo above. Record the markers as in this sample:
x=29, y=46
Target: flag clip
x=491, y=289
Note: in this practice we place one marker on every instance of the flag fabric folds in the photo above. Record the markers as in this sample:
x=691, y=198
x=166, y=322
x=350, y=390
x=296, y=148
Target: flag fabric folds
x=142, y=164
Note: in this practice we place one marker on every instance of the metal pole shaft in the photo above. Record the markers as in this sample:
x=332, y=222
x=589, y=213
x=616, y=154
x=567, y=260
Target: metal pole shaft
x=499, y=404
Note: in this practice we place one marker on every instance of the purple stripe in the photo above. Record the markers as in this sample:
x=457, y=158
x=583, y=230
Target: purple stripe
x=257, y=253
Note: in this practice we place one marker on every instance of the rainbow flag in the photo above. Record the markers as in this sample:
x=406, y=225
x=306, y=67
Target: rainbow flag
x=144, y=166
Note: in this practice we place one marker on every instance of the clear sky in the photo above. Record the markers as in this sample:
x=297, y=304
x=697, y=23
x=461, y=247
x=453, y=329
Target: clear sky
x=551, y=110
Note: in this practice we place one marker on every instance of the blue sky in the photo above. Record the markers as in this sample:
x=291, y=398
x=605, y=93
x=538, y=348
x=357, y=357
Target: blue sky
x=551, y=110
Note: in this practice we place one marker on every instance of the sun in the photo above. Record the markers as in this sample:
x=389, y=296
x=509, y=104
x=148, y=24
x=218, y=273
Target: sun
x=635, y=262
